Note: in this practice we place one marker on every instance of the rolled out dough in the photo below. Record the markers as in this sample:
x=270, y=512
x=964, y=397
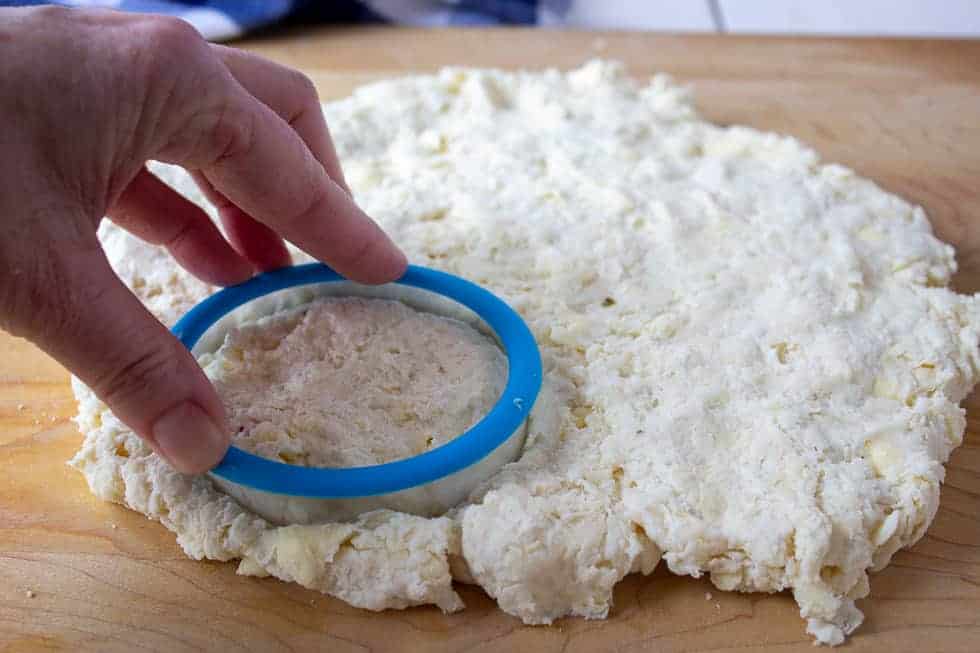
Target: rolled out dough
x=349, y=382
x=753, y=363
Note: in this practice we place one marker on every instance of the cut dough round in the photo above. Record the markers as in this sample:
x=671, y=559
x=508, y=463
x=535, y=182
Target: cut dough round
x=351, y=382
x=753, y=364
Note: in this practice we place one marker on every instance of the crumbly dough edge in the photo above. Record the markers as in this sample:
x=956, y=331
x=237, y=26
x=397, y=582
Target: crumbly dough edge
x=349, y=560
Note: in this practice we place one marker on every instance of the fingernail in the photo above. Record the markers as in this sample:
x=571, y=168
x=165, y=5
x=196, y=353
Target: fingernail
x=189, y=439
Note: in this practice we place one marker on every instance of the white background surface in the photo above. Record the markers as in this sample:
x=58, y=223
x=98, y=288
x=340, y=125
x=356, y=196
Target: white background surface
x=959, y=18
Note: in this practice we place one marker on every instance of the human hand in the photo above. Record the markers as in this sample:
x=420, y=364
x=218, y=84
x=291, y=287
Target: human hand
x=88, y=97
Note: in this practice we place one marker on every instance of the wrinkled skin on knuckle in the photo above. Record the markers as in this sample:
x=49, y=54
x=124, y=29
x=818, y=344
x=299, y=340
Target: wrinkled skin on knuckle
x=232, y=133
x=217, y=124
x=124, y=379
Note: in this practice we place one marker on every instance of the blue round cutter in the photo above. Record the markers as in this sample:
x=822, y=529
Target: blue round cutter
x=506, y=416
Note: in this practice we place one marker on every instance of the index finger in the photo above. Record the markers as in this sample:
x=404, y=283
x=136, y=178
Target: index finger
x=292, y=96
x=258, y=162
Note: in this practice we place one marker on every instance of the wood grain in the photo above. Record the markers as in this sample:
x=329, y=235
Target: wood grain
x=78, y=574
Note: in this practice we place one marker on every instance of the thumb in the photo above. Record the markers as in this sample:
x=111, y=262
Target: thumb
x=98, y=329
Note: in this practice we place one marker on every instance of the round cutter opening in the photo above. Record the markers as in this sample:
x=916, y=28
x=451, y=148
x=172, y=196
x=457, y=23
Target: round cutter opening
x=505, y=417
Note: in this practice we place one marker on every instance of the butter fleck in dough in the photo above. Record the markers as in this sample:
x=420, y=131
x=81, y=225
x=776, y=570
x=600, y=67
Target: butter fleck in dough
x=753, y=363
x=348, y=382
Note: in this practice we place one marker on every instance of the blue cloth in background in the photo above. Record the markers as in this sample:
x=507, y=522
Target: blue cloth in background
x=221, y=20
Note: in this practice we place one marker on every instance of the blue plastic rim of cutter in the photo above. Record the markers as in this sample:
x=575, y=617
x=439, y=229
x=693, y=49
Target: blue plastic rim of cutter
x=510, y=411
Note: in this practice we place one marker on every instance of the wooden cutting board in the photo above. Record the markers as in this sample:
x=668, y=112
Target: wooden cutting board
x=78, y=574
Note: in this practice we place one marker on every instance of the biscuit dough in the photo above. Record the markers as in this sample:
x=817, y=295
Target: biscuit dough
x=753, y=364
x=349, y=382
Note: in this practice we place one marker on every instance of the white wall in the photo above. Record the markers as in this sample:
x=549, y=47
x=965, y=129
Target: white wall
x=844, y=17
x=870, y=17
